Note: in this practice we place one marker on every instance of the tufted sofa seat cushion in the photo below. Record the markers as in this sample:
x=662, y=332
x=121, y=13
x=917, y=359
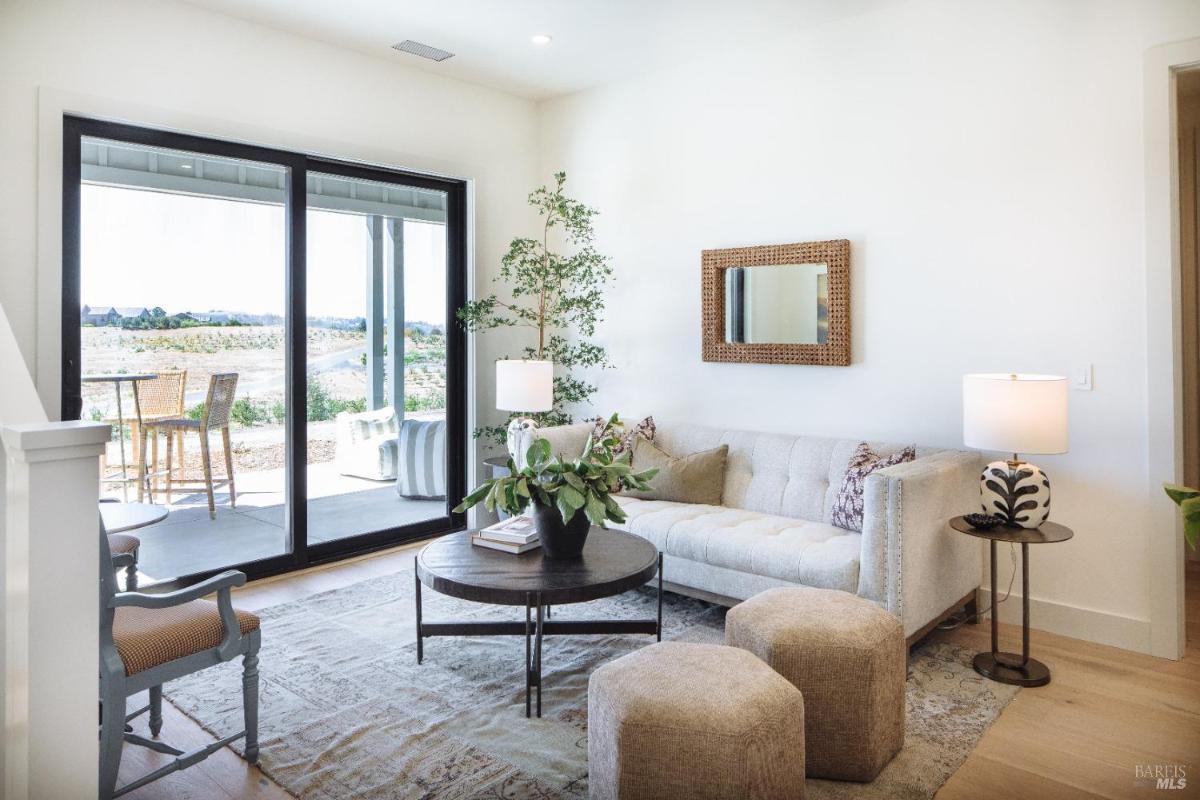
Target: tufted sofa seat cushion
x=794, y=550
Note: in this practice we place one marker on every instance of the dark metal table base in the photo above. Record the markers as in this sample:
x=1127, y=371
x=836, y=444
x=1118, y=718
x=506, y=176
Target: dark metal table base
x=1007, y=668
x=1011, y=668
x=537, y=624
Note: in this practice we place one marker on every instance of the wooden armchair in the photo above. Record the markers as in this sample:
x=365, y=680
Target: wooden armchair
x=148, y=639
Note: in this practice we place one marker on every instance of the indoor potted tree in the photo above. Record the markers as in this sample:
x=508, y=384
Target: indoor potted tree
x=565, y=497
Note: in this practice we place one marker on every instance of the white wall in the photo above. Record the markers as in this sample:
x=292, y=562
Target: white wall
x=986, y=162
x=177, y=66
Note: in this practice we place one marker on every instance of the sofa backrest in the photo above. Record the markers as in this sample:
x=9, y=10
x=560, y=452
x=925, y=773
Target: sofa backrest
x=772, y=473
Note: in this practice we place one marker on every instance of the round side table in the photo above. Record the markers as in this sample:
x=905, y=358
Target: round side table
x=1018, y=670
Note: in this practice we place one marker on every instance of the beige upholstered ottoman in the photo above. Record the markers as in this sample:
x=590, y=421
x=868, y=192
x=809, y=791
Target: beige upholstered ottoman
x=848, y=658
x=677, y=720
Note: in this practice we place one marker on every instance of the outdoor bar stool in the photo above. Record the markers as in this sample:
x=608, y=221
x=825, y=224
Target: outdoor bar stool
x=159, y=398
x=214, y=416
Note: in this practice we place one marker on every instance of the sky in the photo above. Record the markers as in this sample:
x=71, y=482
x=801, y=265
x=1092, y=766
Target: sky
x=189, y=253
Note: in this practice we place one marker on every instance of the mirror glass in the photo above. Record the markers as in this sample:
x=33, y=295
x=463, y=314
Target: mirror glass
x=777, y=304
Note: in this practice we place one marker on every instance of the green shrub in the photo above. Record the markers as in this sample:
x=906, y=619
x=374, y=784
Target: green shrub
x=247, y=414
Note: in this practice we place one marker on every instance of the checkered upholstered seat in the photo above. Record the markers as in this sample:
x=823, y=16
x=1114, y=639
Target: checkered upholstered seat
x=146, y=637
x=123, y=543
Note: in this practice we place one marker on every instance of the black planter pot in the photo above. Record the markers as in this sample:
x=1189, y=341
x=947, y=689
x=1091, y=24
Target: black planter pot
x=560, y=540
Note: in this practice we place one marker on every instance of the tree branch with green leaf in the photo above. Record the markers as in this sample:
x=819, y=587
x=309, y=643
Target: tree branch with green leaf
x=553, y=293
x=1188, y=501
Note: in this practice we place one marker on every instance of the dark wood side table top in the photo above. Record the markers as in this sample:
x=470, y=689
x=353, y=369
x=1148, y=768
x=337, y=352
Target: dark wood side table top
x=1048, y=533
x=613, y=562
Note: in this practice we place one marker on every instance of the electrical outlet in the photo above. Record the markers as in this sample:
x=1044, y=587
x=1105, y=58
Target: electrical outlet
x=1081, y=377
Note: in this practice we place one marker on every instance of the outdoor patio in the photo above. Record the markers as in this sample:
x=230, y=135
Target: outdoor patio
x=188, y=541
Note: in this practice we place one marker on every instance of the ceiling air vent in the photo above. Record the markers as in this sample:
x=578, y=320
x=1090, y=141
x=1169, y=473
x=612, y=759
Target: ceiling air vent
x=422, y=50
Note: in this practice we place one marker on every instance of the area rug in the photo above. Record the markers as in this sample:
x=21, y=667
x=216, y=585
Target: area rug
x=347, y=712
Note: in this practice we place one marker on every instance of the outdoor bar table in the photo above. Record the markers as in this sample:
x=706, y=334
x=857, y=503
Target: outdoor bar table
x=116, y=380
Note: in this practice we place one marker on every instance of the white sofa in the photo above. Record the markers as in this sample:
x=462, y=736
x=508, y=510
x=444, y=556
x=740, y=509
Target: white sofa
x=773, y=526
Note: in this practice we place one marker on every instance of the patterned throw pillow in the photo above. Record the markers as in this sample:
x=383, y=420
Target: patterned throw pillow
x=848, y=508
x=645, y=429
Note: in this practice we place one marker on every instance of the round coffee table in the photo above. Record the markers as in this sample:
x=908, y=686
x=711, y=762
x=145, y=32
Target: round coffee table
x=613, y=562
x=1018, y=670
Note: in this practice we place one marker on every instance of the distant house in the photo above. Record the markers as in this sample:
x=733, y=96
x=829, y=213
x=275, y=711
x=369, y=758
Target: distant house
x=133, y=312
x=99, y=316
x=211, y=317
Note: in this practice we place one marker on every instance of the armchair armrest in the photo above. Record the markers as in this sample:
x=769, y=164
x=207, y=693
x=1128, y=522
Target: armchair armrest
x=122, y=560
x=912, y=562
x=223, y=584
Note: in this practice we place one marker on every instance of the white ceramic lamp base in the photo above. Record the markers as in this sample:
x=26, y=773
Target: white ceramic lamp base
x=1017, y=492
x=522, y=431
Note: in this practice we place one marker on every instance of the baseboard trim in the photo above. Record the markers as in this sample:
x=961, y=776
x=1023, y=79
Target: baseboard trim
x=1102, y=627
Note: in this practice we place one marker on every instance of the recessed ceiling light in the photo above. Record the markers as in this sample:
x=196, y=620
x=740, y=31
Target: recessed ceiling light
x=541, y=38
x=185, y=166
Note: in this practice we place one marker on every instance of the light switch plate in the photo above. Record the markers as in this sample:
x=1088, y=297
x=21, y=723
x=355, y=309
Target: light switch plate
x=1081, y=377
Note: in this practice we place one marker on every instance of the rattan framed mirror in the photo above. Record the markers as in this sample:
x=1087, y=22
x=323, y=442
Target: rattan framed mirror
x=777, y=304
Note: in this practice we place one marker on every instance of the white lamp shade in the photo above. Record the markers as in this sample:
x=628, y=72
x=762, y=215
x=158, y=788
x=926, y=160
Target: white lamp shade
x=1015, y=413
x=524, y=385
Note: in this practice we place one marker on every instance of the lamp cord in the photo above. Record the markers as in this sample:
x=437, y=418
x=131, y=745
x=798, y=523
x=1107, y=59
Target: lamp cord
x=961, y=618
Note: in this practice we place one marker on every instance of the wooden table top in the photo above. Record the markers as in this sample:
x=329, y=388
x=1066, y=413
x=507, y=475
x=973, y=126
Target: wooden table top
x=612, y=562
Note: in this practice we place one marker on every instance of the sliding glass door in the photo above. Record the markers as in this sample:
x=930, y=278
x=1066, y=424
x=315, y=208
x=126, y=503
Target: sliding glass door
x=377, y=358
x=271, y=337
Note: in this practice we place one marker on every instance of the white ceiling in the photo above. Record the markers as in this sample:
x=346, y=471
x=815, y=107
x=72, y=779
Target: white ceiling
x=595, y=41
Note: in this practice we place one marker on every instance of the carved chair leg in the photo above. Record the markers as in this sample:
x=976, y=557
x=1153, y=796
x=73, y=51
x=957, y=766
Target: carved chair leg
x=131, y=574
x=206, y=463
x=250, y=704
x=155, y=710
x=229, y=466
x=112, y=735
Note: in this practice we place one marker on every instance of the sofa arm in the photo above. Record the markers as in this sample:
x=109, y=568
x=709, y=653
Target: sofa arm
x=912, y=563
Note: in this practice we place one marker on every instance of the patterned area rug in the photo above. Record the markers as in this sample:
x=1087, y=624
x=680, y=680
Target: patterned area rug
x=347, y=712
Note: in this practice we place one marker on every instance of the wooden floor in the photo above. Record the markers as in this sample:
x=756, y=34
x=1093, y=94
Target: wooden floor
x=1105, y=711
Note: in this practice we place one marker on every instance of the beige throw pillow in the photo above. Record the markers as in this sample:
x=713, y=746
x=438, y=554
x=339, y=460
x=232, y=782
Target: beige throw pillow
x=698, y=478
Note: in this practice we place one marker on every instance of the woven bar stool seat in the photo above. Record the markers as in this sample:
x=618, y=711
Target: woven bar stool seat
x=147, y=637
x=848, y=657
x=696, y=721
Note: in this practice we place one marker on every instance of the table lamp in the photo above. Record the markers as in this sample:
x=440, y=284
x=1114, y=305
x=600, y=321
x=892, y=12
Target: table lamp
x=527, y=386
x=1015, y=414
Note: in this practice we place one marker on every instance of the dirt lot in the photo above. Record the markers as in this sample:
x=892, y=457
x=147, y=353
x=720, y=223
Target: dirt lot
x=254, y=352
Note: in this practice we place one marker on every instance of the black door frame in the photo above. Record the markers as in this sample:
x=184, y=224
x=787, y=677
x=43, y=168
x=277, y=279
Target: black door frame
x=295, y=351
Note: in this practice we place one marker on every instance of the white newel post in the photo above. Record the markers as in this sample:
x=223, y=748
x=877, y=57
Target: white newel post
x=52, y=591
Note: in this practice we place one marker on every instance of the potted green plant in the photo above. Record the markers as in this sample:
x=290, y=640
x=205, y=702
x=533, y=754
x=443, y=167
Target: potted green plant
x=1188, y=501
x=565, y=498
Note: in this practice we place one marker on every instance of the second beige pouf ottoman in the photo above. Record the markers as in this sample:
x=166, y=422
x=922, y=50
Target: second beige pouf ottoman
x=680, y=721
x=848, y=658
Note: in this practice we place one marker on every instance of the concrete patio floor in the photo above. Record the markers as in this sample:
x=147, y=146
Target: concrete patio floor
x=188, y=541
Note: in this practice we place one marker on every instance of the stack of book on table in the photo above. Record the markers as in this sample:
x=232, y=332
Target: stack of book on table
x=512, y=535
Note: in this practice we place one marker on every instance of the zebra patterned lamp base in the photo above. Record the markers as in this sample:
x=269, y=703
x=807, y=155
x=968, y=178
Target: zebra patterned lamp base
x=1015, y=491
